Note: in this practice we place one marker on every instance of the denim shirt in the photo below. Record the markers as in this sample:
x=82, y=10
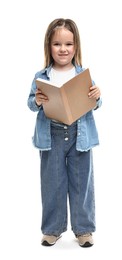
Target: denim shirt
x=87, y=135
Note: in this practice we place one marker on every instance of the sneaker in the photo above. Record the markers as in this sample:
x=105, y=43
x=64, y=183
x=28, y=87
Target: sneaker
x=49, y=240
x=85, y=240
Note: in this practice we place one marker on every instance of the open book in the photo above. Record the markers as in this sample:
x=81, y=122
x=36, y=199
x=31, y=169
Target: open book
x=70, y=101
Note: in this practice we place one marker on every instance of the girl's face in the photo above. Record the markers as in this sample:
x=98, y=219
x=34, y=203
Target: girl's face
x=62, y=48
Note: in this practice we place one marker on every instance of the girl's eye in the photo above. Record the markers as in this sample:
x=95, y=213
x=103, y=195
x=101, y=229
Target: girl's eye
x=69, y=43
x=56, y=44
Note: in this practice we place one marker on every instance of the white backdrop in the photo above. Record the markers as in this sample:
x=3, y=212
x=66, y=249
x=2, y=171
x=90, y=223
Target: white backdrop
x=22, y=29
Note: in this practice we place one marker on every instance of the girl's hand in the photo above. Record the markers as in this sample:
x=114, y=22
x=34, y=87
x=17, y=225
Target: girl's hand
x=94, y=92
x=40, y=98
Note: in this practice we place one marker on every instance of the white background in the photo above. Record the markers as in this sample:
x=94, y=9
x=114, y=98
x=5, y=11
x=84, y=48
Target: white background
x=22, y=30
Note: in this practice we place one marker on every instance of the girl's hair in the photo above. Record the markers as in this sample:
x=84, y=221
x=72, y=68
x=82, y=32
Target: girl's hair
x=72, y=27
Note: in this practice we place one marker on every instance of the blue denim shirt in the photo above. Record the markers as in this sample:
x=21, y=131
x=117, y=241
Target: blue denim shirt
x=87, y=135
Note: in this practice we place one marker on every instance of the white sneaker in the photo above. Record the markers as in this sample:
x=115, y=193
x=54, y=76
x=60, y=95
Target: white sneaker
x=85, y=240
x=49, y=240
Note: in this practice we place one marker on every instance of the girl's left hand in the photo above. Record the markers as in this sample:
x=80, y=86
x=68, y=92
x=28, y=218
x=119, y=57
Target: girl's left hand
x=94, y=92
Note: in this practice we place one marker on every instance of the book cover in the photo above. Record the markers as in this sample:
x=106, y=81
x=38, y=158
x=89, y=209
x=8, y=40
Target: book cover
x=70, y=101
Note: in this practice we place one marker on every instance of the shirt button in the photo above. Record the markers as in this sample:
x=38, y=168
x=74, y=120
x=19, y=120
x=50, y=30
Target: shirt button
x=65, y=127
x=66, y=138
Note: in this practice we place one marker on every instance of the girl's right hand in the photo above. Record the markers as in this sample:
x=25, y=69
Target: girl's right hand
x=40, y=98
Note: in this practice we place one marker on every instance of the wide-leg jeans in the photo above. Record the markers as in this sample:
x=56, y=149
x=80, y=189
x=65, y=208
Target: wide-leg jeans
x=66, y=174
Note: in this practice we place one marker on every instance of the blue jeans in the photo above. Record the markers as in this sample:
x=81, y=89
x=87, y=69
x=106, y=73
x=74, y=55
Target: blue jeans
x=66, y=174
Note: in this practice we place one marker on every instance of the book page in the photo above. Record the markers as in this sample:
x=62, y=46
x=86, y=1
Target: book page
x=77, y=90
x=48, y=82
x=54, y=108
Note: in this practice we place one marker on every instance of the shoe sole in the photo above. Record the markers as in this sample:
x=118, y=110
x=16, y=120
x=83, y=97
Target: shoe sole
x=87, y=244
x=45, y=243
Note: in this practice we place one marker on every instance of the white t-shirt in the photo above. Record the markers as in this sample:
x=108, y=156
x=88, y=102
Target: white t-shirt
x=60, y=77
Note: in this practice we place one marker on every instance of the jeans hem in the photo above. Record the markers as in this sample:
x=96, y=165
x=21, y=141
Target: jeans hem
x=54, y=233
x=80, y=233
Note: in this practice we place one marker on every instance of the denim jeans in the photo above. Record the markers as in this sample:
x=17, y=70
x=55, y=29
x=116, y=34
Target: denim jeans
x=66, y=174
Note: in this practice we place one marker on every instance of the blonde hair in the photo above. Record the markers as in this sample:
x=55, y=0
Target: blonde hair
x=72, y=27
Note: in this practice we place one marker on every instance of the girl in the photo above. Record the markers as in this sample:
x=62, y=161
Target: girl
x=66, y=166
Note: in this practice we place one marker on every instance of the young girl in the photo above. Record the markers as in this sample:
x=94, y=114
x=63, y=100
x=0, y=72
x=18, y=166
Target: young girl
x=65, y=151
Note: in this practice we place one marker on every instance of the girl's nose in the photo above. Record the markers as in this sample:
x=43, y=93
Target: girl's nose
x=63, y=48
